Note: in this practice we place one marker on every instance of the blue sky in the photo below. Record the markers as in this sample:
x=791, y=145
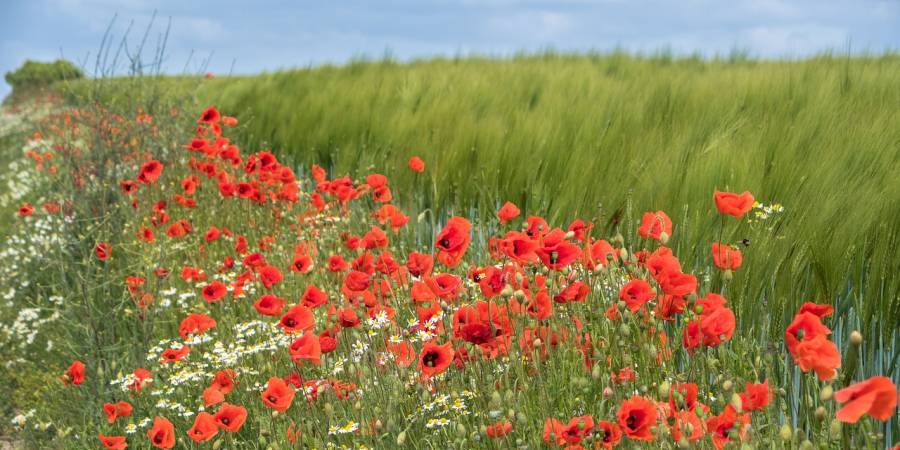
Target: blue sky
x=269, y=35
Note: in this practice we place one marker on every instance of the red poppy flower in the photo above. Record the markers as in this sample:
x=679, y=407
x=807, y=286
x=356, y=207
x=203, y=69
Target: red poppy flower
x=297, y=319
x=416, y=164
x=609, y=434
x=336, y=263
x=302, y=264
x=636, y=294
x=171, y=355
x=577, y=429
x=677, y=283
x=499, y=429
x=726, y=257
x=269, y=305
x=162, y=433
x=687, y=425
x=75, y=373
x=717, y=326
x=230, y=417
x=821, y=311
x=819, y=355
x=636, y=416
x=194, y=324
x=150, y=172
x=278, y=395
x=556, y=252
x=306, y=348
x=214, y=291
x=114, y=411
x=453, y=241
x=313, y=297
x=756, y=397
x=435, y=359
x=419, y=264
x=722, y=426
x=654, y=224
x=806, y=326
x=508, y=212
x=204, y=429
x=876, y=397
x=444, y=285
x=601, y=252
x=519, y=247
x=733, y=204
x=683, y=397
x=26, y=210
x=103, y=251
x=210, y=114
x=112, y=442
x=270, y=276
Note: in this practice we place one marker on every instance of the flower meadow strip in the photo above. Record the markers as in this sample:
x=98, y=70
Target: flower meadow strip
x=227, y=301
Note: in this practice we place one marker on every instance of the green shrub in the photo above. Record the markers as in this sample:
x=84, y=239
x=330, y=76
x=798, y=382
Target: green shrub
x=35, y=74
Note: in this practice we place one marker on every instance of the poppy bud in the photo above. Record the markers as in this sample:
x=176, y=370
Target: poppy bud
x=728, y=275
x=618, y=239
x=820, y=412
x=835, y=428
x=607, y=392
x=537, y=343
x=807, y=445
x=826, y=393
x=856, y=338
x=623, y=254
x=401, y=438
x=262, y=441
x=736, y=402
x=496, y=400
x=683, y=442
x=727, y=385
x=520, y=295
x=507, y=291
x=664, y=238
x=596, y=372
x=461, y=429
x=217, y=445
x=570, y=234
x=663, y=389
x=786, y=433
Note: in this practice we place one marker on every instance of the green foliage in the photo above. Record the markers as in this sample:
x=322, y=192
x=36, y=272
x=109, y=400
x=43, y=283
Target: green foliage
x=582, y=136
x=35, y=74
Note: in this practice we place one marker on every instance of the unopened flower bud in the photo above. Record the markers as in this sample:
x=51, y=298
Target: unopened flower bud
x=736, y=402
x=727, y=385
x=820, y=412
x=826, y=393
x=728, y=275
x=856, y=338
x=401, y=438
x=664, y=238
x=786, y=433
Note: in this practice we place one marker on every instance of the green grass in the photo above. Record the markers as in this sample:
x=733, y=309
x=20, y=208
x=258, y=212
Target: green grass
x=561, y=135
